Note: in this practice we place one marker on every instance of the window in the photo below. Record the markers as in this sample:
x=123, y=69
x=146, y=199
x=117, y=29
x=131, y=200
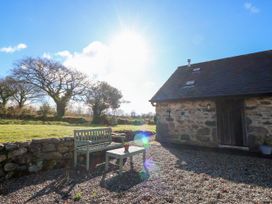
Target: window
x=196, y=69
x=190, y=83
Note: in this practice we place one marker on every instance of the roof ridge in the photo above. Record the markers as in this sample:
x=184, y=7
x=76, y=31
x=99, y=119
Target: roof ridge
x=225, y=58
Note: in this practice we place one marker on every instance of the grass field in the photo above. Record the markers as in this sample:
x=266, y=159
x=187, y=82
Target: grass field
x=23, y=132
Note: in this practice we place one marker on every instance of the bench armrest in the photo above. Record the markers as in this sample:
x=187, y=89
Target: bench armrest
x=121, y=136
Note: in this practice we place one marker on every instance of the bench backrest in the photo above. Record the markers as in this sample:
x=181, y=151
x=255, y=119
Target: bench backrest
x=101, y=135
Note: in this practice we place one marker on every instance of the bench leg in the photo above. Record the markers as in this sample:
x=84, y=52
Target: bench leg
x=121, y=166
x=75, y=158
x=107, y=163
x=88, y=161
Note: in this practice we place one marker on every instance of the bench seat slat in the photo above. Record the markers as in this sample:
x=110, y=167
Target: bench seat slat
x=100, y=147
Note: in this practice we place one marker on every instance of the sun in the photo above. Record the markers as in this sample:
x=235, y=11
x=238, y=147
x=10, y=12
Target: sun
x=129, y=47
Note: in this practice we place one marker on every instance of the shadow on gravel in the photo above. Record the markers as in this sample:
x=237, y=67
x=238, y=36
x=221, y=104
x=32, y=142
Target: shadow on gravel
x=125, y=181
x=234, y=166
x=60, y=181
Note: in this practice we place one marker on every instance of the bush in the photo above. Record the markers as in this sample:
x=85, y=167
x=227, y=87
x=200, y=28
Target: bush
x=122, y=121
x=112, y=121
x=100, y=120
x=150, y=122
x=74, y=120
x=45, y=110
x=138, y=122
x=30, y=122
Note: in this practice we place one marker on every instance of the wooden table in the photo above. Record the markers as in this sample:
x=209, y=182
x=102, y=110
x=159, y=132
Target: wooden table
x=121, y=154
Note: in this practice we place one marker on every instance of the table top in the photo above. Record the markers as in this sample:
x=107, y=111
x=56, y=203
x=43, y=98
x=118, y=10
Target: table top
x=121, y=151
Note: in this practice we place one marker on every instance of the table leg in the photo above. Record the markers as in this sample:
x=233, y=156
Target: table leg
x=107, y=162
x=144, y=158
x=121, y=165
x=131, y=162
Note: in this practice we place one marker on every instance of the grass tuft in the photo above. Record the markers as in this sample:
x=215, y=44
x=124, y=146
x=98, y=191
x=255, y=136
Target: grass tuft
x=77, y=196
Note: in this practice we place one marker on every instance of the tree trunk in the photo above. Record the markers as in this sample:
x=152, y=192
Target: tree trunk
x=3, y=105
x=96, y=119
x=60, y=109
x=20, y=105
x=96, y=115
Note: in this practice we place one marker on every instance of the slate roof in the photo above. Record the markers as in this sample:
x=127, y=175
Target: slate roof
x=249, y=74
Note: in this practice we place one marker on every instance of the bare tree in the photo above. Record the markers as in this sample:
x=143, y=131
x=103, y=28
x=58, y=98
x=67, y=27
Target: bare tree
x=6, y=92
x=57, y=81
x=24, y=92
x=100, y=97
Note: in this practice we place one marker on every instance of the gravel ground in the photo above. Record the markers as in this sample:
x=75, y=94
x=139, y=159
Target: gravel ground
x=175, y=176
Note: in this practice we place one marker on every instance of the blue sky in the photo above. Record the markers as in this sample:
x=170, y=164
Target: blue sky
x=169, y=32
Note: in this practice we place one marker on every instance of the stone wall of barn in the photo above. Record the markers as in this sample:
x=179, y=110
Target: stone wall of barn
x=188, y=122
x=258, y=112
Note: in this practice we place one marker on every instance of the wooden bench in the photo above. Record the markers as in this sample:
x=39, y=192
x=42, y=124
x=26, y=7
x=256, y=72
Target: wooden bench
x=94, y=140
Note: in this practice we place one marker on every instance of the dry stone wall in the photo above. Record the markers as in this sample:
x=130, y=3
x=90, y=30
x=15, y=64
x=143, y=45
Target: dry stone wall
x=258, y=112
x=22, y=158
x=188, y=122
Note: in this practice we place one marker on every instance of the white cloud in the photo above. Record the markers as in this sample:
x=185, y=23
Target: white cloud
x=46, y=55
x=64, y=53
x=124, y=69
x=11, y=49
x=251, y=8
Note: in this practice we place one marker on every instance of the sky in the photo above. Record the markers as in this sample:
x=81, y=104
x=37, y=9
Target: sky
x=133, y=45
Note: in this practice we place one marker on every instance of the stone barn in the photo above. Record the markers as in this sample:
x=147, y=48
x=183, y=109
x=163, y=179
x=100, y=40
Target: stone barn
x=220, y=103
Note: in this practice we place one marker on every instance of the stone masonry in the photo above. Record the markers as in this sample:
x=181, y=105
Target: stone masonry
x=20, y=158
x=258, y=113
x=189, y=122
x=192, y=122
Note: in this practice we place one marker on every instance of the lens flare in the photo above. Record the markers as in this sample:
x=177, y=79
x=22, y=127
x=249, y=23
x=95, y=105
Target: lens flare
x=141, y=139
x=149, y=164
x=150, y=168
x=144, y=175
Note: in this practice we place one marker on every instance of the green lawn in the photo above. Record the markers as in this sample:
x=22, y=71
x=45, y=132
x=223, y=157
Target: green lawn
x=19, y=132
